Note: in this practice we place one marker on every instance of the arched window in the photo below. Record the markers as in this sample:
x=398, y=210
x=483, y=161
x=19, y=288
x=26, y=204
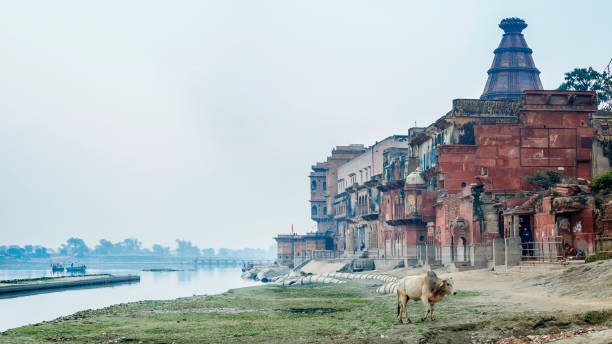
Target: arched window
x=313, y=185
x=324, y=186
x=314, y=210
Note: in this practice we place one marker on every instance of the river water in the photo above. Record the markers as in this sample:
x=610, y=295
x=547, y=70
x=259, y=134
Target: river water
x=188, y=281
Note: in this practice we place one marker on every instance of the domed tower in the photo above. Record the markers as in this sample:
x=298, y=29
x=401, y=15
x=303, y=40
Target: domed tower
x=414, y=179
x=513, y=70
x=413, y=194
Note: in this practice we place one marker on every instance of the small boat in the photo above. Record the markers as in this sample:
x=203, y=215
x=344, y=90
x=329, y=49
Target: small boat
x=76, y=269
x=57, y=267
x=246, y=267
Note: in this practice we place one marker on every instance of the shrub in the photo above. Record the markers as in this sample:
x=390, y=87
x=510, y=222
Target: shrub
x=603, y=183
x=544, y=179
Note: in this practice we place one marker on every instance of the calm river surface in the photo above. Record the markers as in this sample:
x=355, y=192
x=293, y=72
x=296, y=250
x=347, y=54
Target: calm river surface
x=189, y=281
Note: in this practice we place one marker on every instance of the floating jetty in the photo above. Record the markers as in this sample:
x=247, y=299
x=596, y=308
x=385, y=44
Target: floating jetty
x=35, y=286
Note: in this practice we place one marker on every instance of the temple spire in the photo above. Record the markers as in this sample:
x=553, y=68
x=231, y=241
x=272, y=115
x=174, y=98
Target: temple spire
x=513, y=70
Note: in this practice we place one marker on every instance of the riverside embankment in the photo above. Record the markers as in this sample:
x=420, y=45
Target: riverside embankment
x=42, y=285
x=489, y=306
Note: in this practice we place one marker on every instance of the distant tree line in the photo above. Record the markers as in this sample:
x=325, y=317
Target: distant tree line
x=25, y=251
x=131, y=247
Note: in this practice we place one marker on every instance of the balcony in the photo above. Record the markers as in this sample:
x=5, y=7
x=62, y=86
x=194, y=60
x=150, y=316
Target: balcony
x=386, y=185
x=406, y=219
x=321, y=217
x=340, y=216
x=370, y=215
x=365, y=213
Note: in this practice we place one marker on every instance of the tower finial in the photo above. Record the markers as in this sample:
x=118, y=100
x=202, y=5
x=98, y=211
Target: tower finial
x=512, y=70
x=514, y=25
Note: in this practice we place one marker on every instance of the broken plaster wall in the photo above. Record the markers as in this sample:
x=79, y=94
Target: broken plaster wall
x=602, y=142
x=602, y=156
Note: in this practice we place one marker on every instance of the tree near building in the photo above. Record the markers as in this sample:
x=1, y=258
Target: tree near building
x=588, y=79
x=603, y=183
x=545, y=180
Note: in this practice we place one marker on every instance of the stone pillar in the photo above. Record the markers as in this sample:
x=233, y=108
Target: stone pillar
x=515, y=226
x=499, y=252
x=472, y=255
x=446, y=255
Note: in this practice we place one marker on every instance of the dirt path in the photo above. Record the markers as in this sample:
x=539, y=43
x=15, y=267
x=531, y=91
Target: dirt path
x=552, y=288
x=522, y=302
x=516, y=289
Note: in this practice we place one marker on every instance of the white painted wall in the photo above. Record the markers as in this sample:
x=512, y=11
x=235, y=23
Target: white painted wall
x=368, y=164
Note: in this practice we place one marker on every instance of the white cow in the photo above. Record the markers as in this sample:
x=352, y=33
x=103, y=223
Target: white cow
x=428, y=288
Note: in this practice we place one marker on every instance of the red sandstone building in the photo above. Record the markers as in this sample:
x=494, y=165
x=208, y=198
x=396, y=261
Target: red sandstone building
x=459, y=184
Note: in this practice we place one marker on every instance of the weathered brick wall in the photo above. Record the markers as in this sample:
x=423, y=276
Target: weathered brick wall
x=429, y=198
x=456, y=164
x=299, y=248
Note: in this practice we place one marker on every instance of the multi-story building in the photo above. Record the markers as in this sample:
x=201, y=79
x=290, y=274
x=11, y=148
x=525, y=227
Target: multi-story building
x=458, y=184
x=323, y=187
x=294, y=248
x=357, y=202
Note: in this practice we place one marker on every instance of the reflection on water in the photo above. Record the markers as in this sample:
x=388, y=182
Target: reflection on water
x=185, y=277
x=164, y=285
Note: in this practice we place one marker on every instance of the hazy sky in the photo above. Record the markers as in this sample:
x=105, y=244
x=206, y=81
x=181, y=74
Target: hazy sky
x=201, y=119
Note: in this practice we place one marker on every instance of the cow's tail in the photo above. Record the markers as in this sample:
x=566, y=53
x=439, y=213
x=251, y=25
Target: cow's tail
x=398, y=304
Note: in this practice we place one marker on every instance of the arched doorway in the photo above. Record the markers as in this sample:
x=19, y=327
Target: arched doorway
x=462, y=250
x=459, y=243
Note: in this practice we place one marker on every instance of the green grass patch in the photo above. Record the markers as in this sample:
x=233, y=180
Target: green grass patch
x=465, y=293
x=597, y=257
